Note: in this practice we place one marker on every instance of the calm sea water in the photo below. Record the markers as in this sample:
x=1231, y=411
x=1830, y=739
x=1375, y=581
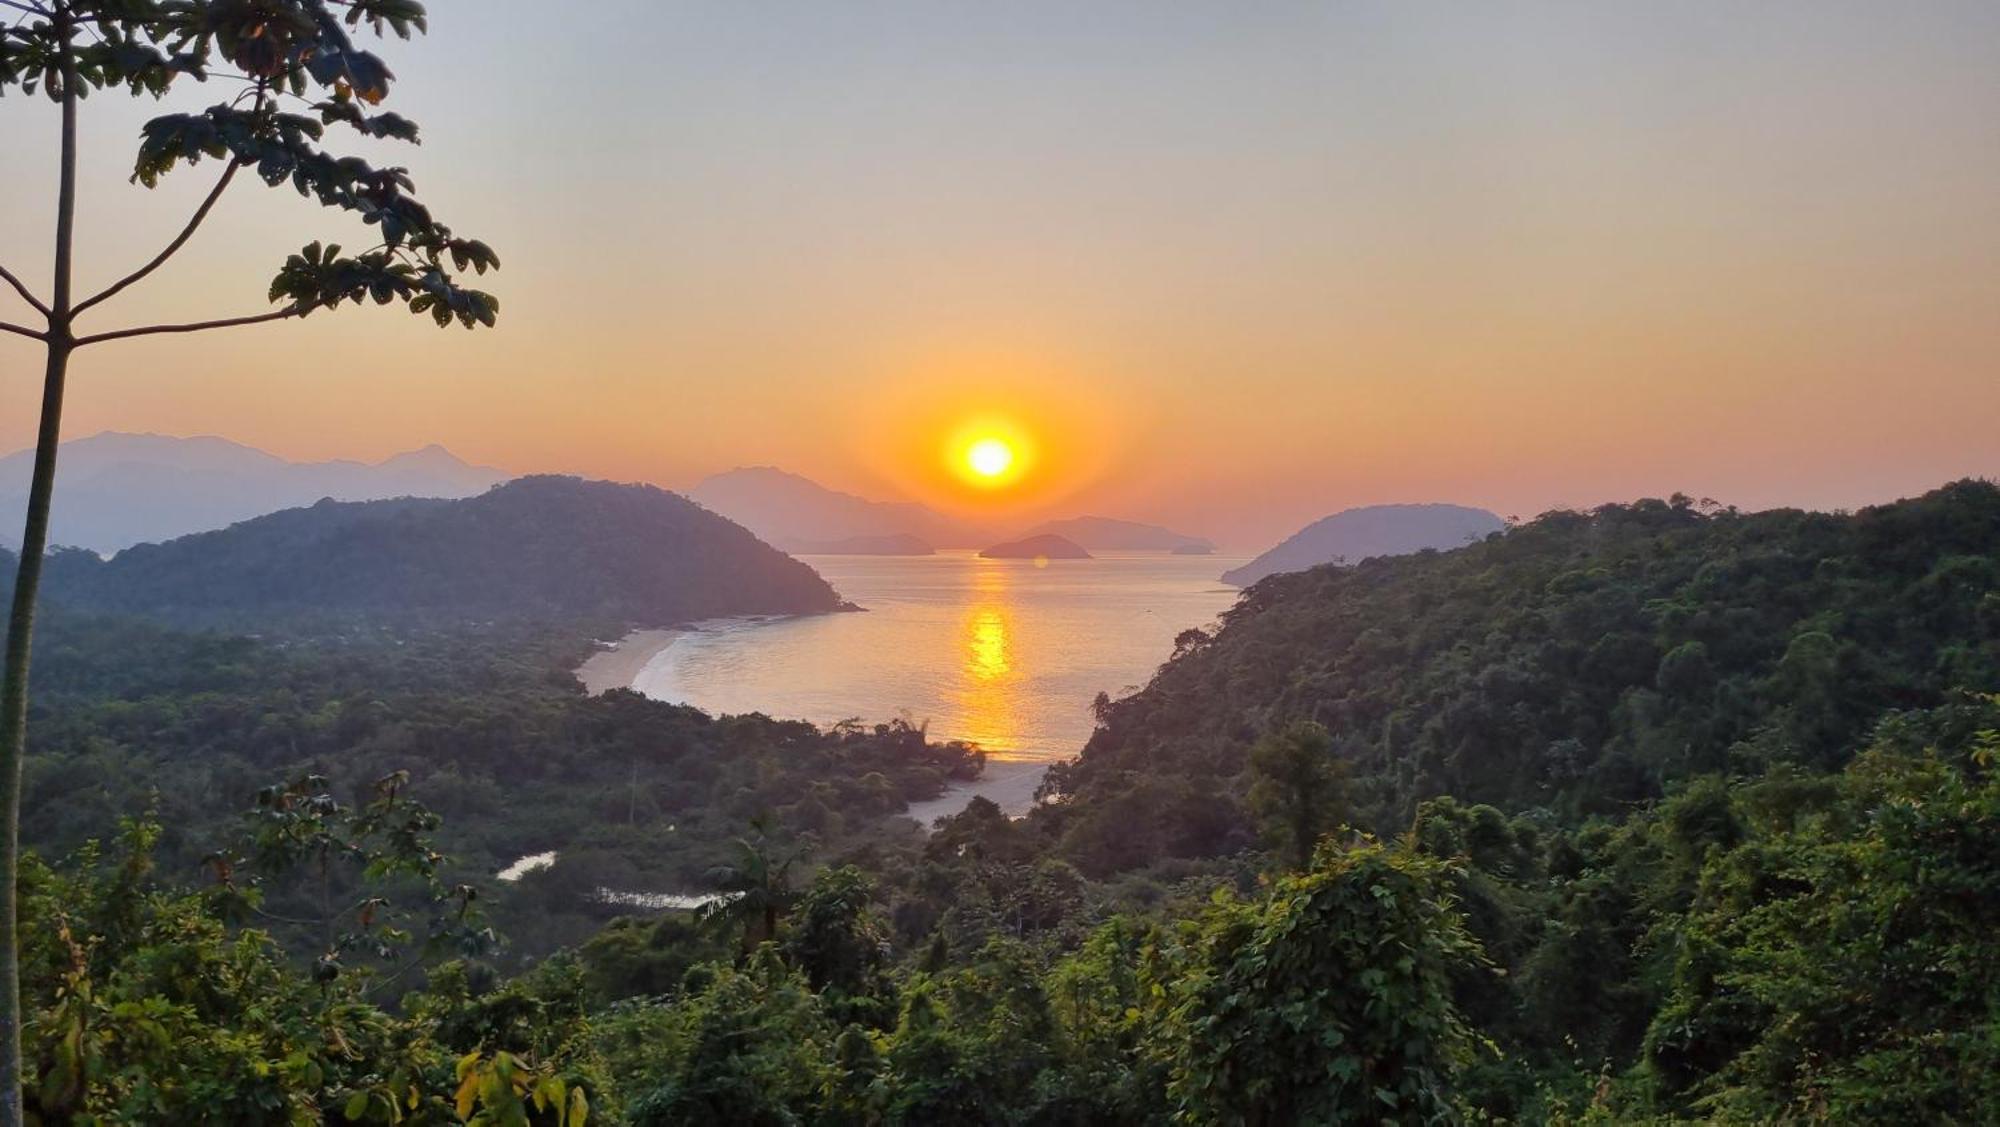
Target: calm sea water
x=1005, y=653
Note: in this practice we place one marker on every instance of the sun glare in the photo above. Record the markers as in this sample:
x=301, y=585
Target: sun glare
x=989, y=457
x=990, y=454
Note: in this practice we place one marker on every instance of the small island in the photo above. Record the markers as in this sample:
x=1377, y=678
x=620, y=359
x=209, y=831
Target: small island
x=1047, y=546
x=1202, y=549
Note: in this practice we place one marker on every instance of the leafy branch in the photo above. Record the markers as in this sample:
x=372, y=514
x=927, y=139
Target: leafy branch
x=283, y=50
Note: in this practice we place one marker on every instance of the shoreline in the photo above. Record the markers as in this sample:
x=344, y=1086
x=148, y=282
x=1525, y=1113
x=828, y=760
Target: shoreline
x=1008, y=783
x=619, y=665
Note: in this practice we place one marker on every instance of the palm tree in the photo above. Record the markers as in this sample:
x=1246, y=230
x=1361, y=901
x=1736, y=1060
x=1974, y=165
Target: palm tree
x=756, y=890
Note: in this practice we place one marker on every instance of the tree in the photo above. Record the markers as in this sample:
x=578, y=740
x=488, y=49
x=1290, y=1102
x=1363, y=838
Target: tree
x=1329, y=1003
x=756, y=891
x=296, y=73
x=1299, y=789
x=351, y=859
x=749, y=1046
x=835, y=938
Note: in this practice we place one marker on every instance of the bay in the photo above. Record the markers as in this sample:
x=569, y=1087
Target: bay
x=1007, y=654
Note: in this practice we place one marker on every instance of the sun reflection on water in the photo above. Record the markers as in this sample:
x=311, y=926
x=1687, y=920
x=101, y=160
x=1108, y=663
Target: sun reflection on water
x=987, y=659
x=989, y=683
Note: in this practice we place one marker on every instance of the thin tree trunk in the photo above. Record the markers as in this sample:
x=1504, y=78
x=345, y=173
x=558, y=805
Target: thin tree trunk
x=21, y=620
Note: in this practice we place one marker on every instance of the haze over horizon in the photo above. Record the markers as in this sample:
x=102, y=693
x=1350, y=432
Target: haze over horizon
x=453, y=476
x=1232, y=270
x=962, y=571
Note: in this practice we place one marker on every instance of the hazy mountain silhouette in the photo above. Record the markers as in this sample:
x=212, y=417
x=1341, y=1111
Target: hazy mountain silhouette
x=114, y=490
x=1046, y=545
x=1105, y=534
x=895, y=544
x=794, y=512
x=539, y=548
x=1354, y=535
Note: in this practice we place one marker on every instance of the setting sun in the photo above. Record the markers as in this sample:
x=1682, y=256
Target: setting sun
x=991, y=454
x=989, y=457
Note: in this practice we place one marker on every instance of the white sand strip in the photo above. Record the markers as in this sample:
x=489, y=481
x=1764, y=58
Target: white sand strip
x=618, y=666
x=1008, y=783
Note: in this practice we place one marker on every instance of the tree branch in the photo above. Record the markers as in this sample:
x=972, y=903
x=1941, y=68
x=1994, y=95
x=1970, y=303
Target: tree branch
x=406, y=968
x=194, y=327
x=26, y=294
x=283, y=919
x=9, y=327
x=180, y=240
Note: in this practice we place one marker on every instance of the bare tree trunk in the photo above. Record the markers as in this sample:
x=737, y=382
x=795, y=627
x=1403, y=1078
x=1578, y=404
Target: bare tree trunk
x=21, y=620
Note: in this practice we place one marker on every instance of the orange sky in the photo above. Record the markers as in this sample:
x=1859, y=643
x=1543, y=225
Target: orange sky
x=1231, y=269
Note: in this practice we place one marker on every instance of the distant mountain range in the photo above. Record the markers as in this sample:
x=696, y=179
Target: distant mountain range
x=114, y=490
x=800, y=515
x=796, y=514
x=535, y=549
x=1103, y=534
x=1354, y=535
x=897, y=544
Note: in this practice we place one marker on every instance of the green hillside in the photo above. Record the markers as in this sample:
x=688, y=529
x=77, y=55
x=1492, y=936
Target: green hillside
x=1579, y=664
x=553, y=549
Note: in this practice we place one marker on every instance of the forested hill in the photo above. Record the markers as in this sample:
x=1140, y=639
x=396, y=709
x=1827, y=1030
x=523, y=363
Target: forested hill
x=1579, y=663
x=538, y=548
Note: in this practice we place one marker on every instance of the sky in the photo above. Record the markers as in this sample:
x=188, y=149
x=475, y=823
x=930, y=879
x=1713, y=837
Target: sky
x=1230, y=267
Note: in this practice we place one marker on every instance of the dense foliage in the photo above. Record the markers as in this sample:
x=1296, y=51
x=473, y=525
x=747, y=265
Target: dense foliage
x=1839, y=962
x=1798, y=946
x=145, y=1005
x=634, y=795
x=1813, y=947
x=549, y=549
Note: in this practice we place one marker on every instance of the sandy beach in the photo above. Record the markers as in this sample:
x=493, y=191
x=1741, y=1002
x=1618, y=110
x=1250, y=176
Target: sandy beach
x=1009, y=783
x=619, y=665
